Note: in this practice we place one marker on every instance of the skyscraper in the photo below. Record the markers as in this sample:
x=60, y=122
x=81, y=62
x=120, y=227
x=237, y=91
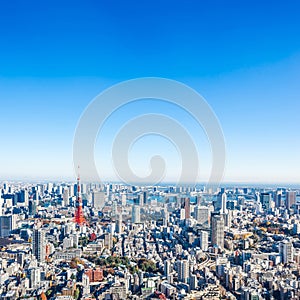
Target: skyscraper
x=39, y=244
x=290, y=199
x=202, y=215
x=136, y=214
x=217, y=231
x=7, y=224
x=123, y=199
x=286, y=251
x=23, y=197
x=193, y=282
x=66, y=196
x=204, y=240
x=114, y=209
x=223, y=204
x=167, y=267
x=35, y=277
x=32, y=209
x=182, y=214
x=187, y=208
x=143, y=198
x=108, y=242
x=278, y=198
x=98, y=200
x=119, y=223
x=265, y=199
x=218, y=201
x=183, y=271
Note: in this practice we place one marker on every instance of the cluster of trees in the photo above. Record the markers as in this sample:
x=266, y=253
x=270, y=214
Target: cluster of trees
x=147, y=265
x=115, y=261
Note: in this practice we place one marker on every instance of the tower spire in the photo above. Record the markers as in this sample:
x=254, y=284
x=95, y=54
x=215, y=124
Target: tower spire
x=79, y=216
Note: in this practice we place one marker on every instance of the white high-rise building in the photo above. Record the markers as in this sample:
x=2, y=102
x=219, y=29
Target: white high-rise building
x=66, y=197
x=108, y=242
x=136, y=214
x=167, y=267
x=224, y=203
x=183, y=271
x=202, y=215
x=98, y=200
x=83, y=188
x=114, y=209
x=85, y=284
x=204, y=240
x=35, y=277
x=123, y=199
x=182, y=214
x=39, y=244
x=50, y=187
x=68, y=242
x=119, y=227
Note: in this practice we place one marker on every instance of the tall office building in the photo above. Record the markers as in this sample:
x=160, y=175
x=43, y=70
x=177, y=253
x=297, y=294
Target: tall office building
x=218, y=202
x=7, y=224
x=165, y=216
x=199, y=200
x=32, y=207
x=136, y=214
x=98, y=200
x=286, y=251
x=290, y=199
x=227, y=219
x=187, y=208
x=123, y=199
x=193, y=282
x=143, y=198
x=114, y=209
x=167, y=267
x=119, y=227
x=202, y=215
x=66, y=196
x=83, y=188
x=39, y=244
x=35, y=277
x=182, y=214
x=278, y=198
x=36, y=197
x=265, y=199
x=258, y=204
x=23, y=197
x=217, y=231
x=224, y=204
x=183, y=271
x=108, y=241
x=204, y=240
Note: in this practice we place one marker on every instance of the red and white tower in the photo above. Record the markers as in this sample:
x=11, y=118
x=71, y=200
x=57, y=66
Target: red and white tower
x=79, y=216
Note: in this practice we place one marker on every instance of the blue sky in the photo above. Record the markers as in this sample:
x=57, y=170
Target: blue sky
x=242, y=56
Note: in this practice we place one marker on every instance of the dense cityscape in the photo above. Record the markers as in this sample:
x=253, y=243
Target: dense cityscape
x=114, y=241
x=182, y=118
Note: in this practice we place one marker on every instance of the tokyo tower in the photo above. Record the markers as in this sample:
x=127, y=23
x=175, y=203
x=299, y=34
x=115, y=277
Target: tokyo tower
x=79, y=216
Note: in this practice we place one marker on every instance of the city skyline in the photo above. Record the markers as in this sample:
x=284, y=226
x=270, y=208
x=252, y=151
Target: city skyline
x=149, y=150
x=240, y=59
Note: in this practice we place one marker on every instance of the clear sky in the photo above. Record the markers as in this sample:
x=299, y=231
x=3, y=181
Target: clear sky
x=242, y=56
